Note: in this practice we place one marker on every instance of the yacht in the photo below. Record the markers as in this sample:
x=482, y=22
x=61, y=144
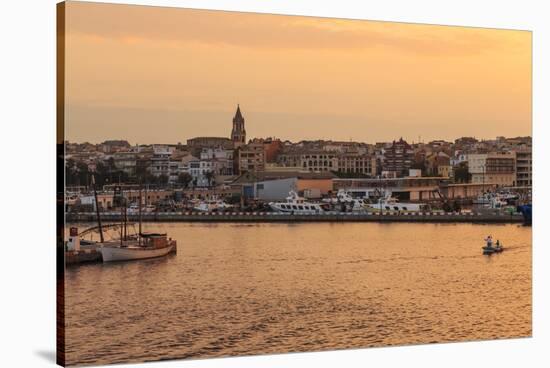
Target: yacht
x=212, y=205
x=297, y=205
x=484, y=198
x=497, y=202
x=389, y=203
x=149, y=208
x=494, y=200
x=133, y=209
x=345, y=197
x=508, y=196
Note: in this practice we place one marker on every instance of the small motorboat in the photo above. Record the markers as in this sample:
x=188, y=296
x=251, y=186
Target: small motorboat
x=487, y=250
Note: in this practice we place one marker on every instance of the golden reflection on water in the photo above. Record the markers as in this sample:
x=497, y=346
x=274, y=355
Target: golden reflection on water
x=235, y=289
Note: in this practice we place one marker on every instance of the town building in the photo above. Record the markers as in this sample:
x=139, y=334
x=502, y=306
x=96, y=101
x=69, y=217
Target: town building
x=112, y=146
x=398, y=158
x=445, y=171
x=174, y=168
x=215, y=166
x=346, y=147
x=125, y=161
x=197, y=144
x=272, y=148
x=493, y=168
x=192, y=165
x=356, y=163
x=160, y=161
x=276, y=185
x=524, y=168
x=438, y=164
x=249, y=157
x=316, y=160
x=458, y=158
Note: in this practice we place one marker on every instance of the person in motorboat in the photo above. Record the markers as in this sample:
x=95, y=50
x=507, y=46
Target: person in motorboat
x=498, y=244
x=489, y=241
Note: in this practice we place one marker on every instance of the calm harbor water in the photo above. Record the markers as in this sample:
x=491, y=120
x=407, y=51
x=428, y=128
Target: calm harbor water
x=242, y=289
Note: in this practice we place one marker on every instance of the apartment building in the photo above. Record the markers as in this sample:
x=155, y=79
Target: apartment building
x=493, y=168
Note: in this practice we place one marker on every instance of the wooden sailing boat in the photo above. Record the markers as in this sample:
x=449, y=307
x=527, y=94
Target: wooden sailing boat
x=137, y=246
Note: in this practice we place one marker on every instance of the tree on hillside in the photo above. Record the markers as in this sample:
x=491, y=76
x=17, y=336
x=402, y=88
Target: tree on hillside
x=210, y=177
x=461, y=173
x=184, y=179
x=162, y=179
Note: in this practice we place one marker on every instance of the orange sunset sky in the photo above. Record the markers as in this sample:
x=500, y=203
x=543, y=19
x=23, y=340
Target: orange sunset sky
x=163, y=75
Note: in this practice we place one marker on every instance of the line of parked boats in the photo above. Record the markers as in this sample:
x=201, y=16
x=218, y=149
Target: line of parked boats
x=495, y=199
x=344, y=202
x=128, y=245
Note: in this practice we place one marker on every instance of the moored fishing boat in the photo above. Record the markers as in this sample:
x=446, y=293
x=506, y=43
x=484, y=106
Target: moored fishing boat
x=142, y=247
x=131, y=246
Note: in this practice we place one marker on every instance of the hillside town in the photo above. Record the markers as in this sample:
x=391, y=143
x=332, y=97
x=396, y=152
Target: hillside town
x=267, y=169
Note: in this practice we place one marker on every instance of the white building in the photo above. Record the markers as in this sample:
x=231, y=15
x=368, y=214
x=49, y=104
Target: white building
x=218, y=160
x=160, y=161
x=191, y=165
x=458, y=158
x=493, y=168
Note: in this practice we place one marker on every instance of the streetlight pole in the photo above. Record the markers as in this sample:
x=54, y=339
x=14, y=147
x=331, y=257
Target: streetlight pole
x=484, y=169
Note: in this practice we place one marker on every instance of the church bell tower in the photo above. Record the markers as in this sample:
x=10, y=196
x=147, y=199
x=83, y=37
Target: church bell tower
x=238, y=133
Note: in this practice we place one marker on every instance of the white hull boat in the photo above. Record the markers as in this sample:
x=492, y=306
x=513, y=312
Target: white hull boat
x=388, y=203
x=129, y=247
x=297, y=205
x=215, y=205
x=345, y=197
x=117, y=253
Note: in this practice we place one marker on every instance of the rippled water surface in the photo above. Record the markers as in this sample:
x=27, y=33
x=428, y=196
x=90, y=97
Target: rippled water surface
x=241, y=289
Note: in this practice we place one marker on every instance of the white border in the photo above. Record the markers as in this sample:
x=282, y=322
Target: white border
x=27, y=179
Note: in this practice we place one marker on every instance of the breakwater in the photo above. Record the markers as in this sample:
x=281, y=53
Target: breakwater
x=390, y=216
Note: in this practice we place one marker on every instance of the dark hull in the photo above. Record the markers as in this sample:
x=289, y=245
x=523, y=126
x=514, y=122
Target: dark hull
x=527, y=212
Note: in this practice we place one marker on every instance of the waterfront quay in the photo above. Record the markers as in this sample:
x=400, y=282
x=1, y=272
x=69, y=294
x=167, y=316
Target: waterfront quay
x=383, y=216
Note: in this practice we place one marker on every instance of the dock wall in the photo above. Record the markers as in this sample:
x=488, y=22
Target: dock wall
x=391, y=216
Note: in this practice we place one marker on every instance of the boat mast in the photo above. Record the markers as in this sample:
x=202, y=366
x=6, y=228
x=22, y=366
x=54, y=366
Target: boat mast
x=122, y=222
x=139, y=211
x=97, y=210
x=125, y=219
